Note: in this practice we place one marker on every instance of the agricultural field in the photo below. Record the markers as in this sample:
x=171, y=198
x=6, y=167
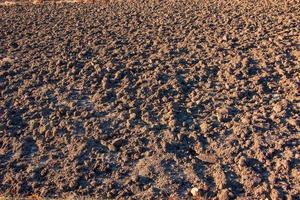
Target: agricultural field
x=166, y=99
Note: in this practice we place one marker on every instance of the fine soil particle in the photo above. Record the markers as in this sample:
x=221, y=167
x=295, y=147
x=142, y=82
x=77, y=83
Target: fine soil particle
x=150, y=100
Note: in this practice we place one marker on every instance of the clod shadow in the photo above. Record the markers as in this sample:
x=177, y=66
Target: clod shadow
x=258, y=167
x=233, y=184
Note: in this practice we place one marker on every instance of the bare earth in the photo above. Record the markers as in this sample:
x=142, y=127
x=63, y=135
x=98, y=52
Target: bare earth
x=147, y=100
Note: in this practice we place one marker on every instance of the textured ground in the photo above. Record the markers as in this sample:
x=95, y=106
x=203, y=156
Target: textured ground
x=149, y=100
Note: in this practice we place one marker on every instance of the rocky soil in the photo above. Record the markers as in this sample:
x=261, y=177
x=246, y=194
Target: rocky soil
x=147, y=100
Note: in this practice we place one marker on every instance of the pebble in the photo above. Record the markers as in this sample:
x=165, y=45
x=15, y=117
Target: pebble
x=194, y=191
x=242, y=162
x=132, y=116
x=277, y=108
x=209, y=158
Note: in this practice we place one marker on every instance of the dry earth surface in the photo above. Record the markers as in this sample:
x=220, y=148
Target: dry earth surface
x=147, y=100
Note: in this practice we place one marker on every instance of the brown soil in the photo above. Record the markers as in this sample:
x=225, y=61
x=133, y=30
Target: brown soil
x=149, y=100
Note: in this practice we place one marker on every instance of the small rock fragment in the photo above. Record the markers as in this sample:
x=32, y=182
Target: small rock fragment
x=194, y=191
x=132, y=116
x=209, y=158
x=277, y=108
x=242, y=163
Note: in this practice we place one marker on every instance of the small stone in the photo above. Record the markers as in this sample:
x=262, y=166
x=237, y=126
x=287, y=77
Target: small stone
x=277, y=108
x=147, y=153
x=242, y=162
x=208, y=158
x=105, y=83
x=132, y=116
x=194, y=191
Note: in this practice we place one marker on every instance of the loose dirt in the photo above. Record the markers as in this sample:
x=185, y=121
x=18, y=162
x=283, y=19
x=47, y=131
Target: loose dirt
x=150, y=100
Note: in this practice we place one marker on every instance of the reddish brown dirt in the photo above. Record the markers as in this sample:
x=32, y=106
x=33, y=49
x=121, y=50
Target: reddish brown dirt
x=149, y=100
